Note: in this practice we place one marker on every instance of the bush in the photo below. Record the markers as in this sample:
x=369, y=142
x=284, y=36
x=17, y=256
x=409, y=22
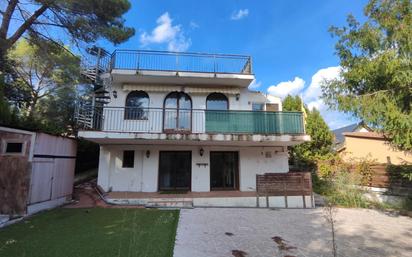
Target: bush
x=342, y=189
x=330, y=165
x=404, y=171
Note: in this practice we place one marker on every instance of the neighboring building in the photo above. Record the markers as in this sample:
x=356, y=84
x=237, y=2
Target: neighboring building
x=180, y=121
x=363, y=142
x=36, y=171
x=339, y=138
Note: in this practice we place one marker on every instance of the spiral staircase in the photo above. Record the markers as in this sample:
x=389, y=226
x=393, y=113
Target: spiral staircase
x=89, y=111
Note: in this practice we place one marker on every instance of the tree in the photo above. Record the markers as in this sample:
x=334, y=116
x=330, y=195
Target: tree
x=55, y=20
x=40, y=69
x=321, y=136
x=375, y=82
x=292, y=103
x=56, y=111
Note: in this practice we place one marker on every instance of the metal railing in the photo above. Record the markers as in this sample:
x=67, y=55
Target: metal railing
x=159, y=120
x=177, y=61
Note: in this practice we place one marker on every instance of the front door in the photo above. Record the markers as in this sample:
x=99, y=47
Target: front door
x=224, y=170
x=175, y=168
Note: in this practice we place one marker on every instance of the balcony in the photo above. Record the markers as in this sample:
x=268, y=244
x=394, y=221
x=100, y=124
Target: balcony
x=194, y=124
x=162, y=67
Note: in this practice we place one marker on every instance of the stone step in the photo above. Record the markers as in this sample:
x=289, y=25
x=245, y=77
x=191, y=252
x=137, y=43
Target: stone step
x=178, y=204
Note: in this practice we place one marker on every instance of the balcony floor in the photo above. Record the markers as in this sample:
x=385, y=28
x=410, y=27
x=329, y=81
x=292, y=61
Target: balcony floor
x=101, y=137
x=181, y=78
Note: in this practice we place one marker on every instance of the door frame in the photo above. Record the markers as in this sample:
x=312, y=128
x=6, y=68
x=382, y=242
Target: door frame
x=237, y=172
x=190, y=171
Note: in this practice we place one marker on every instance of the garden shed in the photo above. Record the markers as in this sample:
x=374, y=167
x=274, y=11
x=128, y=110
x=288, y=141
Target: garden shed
x=36, y=171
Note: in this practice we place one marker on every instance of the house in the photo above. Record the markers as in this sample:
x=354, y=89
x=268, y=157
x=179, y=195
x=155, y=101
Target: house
x=36, y=171
x=360, y=141
x=171, y=122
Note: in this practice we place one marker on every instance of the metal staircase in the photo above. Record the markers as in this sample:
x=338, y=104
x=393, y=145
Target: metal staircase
x=92, y=72
x=89, y=112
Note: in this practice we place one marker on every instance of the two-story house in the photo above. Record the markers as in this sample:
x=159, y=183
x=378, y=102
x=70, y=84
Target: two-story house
x=171, y=122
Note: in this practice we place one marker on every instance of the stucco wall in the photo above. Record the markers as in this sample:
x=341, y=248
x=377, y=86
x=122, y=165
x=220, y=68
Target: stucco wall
x=244, y=102
x=144, y=175
x=378, y=149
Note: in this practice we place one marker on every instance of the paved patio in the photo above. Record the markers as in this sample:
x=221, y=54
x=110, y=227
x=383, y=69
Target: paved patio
x=218, y=232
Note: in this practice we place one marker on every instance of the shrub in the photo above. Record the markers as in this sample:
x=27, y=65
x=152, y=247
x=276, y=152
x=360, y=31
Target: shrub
x=404, y=171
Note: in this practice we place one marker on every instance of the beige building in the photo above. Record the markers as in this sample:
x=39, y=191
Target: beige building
x=364, y=143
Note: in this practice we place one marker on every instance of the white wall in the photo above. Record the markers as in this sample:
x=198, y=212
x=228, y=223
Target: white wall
x=144, y=176
x=114, y=117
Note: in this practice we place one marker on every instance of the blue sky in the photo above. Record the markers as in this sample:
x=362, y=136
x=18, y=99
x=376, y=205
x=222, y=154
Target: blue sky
x=289, y=41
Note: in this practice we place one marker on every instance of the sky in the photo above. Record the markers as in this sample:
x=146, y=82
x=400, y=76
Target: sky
x=289, y=42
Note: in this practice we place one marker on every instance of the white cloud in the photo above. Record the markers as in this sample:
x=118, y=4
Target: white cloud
x=312, y=95
x=314, y=91
x=240, y=14
x=287, y=88
x=193, y=25
x=255, y=84
x=166, y=33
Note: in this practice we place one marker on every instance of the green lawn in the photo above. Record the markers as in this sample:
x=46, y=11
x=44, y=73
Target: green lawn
x=92, y=232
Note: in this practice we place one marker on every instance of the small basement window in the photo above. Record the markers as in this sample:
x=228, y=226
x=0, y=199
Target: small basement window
x=128, y=159
x=14, y=147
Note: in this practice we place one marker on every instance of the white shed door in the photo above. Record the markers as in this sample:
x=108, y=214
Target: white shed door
x=41, y=181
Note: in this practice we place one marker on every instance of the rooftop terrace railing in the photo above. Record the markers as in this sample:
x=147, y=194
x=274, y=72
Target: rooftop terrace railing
x=177, y=61
x=159, y=120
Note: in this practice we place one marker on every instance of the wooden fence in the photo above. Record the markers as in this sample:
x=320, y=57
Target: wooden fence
x=284, y=184
x=381, y=178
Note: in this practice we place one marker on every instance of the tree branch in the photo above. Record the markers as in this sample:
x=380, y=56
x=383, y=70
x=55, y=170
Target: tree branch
x=19, y=32
x=6, y=18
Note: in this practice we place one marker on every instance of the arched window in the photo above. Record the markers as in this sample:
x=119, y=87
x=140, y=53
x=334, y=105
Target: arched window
x=137, y=104
x=217, y=101
x=177, y=111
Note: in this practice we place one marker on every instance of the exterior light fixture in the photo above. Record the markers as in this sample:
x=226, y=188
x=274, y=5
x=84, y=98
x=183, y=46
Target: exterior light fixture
x=147, y=153
x=201, y=151
x=115, y=94
x=237, y=97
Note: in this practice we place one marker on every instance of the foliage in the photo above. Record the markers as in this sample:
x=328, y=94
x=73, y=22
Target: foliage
x=55, y=20
x=40, y=70
x=405, y=171
x=363, y=167
x=292, y=103
x=96, y=232
x=342, y=189
x=375, y=82
x=87, y=156
x=321, y=137
x=331, y=165
x=41, y=90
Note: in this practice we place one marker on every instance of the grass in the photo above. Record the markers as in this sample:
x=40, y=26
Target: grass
x=92, y=232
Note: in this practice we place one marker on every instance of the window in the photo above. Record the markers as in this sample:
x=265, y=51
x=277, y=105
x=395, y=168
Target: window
x=178, y=111
x=217, y=101
x=137, y=104
x=272, y=107
x=128, y=159
x=257, y=106
x=14, y=147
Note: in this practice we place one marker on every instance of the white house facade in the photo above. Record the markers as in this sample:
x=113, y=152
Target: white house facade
x=169, y=122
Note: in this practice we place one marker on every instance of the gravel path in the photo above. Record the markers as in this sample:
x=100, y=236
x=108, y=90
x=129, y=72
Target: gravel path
x=219, y=232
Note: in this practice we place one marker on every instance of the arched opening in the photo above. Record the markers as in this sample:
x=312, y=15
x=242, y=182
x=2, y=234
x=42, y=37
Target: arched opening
x=137, y=104
x=177, y=111
x=217, y=101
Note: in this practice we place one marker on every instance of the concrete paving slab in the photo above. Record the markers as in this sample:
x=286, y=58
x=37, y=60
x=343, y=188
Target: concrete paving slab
x=219, y=232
